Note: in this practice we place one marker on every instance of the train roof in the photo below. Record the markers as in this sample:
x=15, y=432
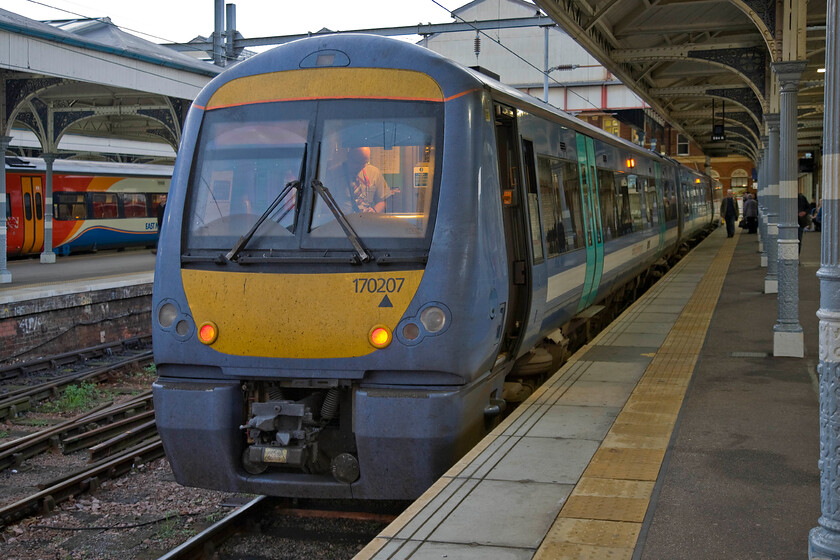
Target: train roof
x=23, y=165
x=374, y=51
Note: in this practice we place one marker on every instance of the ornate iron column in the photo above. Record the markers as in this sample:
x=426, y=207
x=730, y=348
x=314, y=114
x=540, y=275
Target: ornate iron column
x=771, y=280
x=5, y=275
x=824, y=540
x=787, y=332
x=48, y=257
x=762, y=201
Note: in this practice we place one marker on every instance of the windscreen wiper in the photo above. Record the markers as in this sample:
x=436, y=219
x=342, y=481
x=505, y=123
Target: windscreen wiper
x=324, y=193
x=243, y=241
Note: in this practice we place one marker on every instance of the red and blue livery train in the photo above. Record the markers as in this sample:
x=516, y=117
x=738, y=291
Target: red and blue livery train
x=96, y=205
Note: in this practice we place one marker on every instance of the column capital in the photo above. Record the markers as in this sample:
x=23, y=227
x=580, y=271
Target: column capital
x=4, y=142
x=789, y=73
x=772, y=121
x=48, y=157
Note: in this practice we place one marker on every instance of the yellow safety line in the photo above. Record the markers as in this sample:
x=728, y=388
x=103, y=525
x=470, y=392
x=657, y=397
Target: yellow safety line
x=650, y=416
x=603, y=515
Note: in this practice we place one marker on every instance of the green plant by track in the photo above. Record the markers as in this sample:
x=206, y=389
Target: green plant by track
x=75, y=397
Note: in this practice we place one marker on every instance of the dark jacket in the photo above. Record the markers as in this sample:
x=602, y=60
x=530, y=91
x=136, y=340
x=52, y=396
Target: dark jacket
x=728, y=208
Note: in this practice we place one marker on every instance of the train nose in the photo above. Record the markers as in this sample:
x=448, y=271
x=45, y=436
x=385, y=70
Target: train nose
x=345, y=468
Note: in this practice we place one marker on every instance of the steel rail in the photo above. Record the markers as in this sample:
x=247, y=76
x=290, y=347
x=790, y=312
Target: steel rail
x=14, y=452
x=80, y=482
x=205, y=544
x=27, y=399
x=53, y=362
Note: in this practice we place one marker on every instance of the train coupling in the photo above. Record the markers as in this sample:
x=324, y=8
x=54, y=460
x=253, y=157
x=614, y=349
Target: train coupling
x=283, y=435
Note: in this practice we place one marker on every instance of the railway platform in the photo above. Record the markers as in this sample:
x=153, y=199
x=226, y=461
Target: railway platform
x=674, y=434
x=80, y=301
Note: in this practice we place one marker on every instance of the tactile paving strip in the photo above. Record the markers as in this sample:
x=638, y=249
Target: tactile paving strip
x=617, y=485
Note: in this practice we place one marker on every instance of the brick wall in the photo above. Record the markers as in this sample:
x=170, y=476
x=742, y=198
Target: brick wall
x=49, y=326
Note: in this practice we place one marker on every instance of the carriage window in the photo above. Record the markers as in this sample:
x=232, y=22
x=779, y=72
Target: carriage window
x=533, y=200
x=104, y=205
x=669, y=200
x=27, y=206
x=69, y=206
x=134, y=205
x=561, y=214
x=609, y=208
x=651, y=202
x=8, y=206
x=625, y=214
x=39, y=206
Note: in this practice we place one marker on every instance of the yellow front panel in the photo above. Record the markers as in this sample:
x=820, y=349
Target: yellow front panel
x=298, y=315
x=327, y=83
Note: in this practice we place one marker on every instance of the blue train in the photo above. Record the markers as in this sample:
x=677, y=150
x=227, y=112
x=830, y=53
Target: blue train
x=368, y=250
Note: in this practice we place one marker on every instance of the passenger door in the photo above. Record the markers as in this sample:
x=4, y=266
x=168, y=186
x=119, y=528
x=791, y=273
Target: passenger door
x=660, y=193
x=32, y=220
x=591, y=220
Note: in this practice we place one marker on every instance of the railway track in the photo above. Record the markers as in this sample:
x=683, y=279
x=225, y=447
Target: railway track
x=274, y=527
x=52, y=363
x=16, y=401
x=117, y=436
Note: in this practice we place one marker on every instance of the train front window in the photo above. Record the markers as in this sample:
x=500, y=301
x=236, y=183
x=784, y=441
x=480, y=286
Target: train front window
x=245, y=158
x=379, y=167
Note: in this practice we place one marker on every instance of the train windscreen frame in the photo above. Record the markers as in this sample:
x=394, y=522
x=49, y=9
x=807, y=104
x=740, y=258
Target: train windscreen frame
x=251, y=152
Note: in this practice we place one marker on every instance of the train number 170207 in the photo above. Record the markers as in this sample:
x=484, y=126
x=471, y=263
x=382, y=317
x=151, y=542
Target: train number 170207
x=378, y=285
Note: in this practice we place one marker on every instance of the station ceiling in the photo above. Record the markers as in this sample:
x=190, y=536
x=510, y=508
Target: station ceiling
x=701, y=63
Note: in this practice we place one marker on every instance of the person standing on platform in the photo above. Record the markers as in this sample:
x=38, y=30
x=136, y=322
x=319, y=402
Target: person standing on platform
x=751, y=213
x=804, y=218
x=160, y=209
x=729, y=213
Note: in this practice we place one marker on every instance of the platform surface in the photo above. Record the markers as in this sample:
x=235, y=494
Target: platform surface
x=673, y=434
x=77, y=273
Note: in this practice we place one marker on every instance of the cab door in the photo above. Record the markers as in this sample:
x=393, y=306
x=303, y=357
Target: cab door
x=32, y=218
x=513, y=214
x=591, y=220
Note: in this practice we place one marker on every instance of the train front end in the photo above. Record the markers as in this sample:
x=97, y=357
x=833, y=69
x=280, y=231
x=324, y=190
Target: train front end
x=305, y=343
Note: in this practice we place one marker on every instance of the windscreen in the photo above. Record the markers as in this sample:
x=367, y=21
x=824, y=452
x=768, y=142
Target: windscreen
x=245, y=158
x=376, y=159
x=378, y=164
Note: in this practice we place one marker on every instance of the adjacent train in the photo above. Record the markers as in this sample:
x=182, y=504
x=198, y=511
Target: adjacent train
x=329, y=328
x=96, y=205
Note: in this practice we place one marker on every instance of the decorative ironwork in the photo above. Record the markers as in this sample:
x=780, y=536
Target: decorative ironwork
x=744, y=118
x=743, y=96
x=166, y=134
x=17, y=90
x=751, y=63
x=28, y=119
x=766, y=12
x=62, y=120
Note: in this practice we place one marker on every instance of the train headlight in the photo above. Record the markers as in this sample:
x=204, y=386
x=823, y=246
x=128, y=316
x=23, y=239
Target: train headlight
x=411, y=331
x=433, y=319
x=167, y=314
x=380, y=337
x=208, y=332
